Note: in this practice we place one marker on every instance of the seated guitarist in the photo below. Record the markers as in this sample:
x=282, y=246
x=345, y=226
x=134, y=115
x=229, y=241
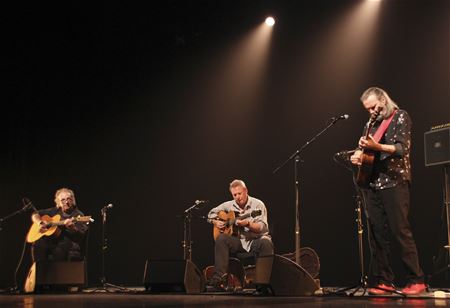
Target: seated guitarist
x=387, y=194
x=67, y=240
x=253, y=231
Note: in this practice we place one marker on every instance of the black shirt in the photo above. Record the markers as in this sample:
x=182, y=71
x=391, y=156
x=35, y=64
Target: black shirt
x=393, y=169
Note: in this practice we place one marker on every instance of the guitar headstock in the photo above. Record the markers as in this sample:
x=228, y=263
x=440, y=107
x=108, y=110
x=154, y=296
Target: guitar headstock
x=83, y=218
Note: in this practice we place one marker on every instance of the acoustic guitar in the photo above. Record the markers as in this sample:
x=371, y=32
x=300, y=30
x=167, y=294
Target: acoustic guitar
x=367, y=157
x=30, y=281
x=52, y=224
x=230, y=218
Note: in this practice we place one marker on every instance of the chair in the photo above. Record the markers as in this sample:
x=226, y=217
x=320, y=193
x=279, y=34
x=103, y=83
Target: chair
x=240, y=269
x=62, y=276
x=81, y=256
x=247, y=263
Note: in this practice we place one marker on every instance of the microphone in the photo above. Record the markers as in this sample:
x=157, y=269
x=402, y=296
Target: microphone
x=27, y=204
x=344, y=153
x=199, y=202
x=109, y=206
x=196, y=205
x=347, y=152
x=342, y=117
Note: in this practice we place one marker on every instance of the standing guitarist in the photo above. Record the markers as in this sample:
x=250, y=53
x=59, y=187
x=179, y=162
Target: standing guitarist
x=253, y=231
x=388, y=192
x=69, y=236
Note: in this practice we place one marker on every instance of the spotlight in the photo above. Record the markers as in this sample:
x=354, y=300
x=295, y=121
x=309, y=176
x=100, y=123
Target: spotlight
x=270, y=21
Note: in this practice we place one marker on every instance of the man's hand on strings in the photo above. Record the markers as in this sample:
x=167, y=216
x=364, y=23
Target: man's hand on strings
x=369, y=143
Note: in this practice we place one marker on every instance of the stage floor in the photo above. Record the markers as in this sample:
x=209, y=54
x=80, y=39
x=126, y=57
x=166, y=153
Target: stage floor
x=135, y=297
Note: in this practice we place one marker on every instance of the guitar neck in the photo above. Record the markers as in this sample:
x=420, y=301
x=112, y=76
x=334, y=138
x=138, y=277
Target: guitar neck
x=366, y=136
x=369, y=127
x=244, y=216
x=371, y=123
x=74, y=219
x=56, y=223
x=367, y=157
x=232, y=221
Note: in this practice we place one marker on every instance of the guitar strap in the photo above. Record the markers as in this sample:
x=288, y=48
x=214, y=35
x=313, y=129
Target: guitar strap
x=383, y=127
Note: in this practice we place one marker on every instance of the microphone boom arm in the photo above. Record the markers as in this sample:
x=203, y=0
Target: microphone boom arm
x=297, y=159
x=25, y=208
x=298, y=151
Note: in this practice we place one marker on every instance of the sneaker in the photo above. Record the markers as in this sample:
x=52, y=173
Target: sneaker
x=382, y=289
x=414, y=289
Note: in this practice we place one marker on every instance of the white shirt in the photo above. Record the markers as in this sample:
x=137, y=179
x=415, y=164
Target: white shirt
x=253, y=204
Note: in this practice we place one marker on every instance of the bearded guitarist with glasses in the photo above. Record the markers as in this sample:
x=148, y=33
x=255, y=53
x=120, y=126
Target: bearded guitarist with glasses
x=58, y=231
x=384, y=175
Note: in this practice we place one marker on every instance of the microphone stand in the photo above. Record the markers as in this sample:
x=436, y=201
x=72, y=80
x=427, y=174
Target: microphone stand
x=363, y=281
x=187, y=235
x=105, y=285
x=343, y=159
x=445, y=270
x=296, y=157
x=2, y=220
x=27, y=206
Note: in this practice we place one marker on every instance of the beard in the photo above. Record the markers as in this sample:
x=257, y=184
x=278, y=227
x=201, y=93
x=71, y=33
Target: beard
x=383, y=114
x=67, y=208
x=380, y=117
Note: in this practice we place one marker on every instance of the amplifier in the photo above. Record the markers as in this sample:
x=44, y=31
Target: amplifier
x=437, y=146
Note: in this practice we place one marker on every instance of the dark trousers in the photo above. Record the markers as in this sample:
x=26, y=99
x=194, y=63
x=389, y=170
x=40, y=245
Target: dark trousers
x=57, y=248
x=388, y=214
x=226, y=246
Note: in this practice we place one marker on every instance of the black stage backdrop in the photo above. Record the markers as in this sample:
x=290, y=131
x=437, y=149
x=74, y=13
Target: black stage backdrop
x=151, y=107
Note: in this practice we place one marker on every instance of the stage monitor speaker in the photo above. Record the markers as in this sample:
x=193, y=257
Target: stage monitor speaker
x=173, y=276
x=283, y=276
x=51, y=273
x=437, y=146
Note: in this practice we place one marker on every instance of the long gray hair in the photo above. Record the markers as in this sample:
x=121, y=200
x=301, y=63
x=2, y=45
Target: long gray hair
x=379, y=93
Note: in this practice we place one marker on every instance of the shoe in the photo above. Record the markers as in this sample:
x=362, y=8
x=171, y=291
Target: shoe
x=382, y=289
x=414, y=289
x=216, y=283
x=262, y=290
